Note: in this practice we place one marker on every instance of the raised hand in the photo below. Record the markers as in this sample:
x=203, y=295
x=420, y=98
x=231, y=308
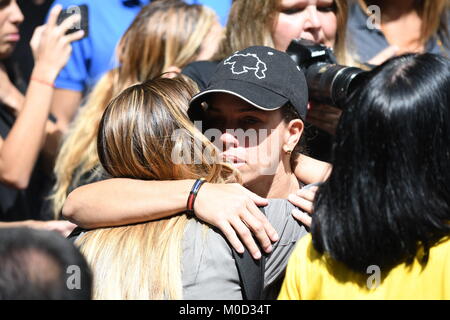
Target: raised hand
x=51, y=46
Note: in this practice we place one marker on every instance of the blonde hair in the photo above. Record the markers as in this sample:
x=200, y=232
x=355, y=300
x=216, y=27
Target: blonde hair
x=136, y=140
x=165, y=33
x=434, y=16
x=262, y=15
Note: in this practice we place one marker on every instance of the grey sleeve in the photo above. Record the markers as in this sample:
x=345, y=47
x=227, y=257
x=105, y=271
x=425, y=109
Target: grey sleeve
x=209, y=269
x=289, y=230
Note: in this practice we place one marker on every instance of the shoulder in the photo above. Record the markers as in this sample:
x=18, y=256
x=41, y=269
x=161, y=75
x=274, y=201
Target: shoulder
x=207, y=258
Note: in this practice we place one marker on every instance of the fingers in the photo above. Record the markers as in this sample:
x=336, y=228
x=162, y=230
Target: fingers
x=246, y=237
x=259, y=201
x=303, y=217
x=257, y=228
x=263, y=223
x=69, y=23
x=53, y=16
x=231, y=236
x=304, y=199
x=75, y=36
x=309, y=193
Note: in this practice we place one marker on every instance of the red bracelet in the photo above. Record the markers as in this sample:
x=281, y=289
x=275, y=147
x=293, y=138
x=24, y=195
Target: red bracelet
x=42, y=82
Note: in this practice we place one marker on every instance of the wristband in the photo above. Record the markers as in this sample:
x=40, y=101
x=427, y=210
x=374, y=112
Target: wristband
x=193, y=195
x=42, y=82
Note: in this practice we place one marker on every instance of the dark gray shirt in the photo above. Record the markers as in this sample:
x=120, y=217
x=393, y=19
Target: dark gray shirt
x=364, y=42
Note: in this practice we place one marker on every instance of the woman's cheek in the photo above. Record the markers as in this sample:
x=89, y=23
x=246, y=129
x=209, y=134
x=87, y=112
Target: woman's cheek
x=286, y=29
x=330, y=29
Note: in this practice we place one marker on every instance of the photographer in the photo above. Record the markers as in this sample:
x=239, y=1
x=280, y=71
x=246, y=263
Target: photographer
x=24, y=125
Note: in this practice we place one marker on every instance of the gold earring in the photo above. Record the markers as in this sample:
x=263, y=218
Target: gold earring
x=288, y=151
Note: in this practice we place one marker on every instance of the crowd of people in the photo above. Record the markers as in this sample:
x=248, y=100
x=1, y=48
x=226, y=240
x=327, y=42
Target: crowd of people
x=170, y=154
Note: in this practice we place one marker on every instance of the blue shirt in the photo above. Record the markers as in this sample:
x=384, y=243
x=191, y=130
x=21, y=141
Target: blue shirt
x=94, y=55
x=365, y=43
x=108, y=20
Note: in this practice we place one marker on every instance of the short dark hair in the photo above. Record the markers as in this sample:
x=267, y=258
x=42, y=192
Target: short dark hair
x=36, y=264
x=388, y=195
x=289, y=113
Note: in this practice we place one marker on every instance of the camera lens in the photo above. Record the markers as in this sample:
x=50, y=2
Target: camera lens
x=330, y=83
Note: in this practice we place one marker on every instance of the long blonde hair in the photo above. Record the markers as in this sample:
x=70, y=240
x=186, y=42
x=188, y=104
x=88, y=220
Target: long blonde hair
x=246, y=16
x=165, y=33
x=138, y=134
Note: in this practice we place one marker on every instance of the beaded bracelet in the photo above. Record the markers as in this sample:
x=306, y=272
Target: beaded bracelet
x=193, y=195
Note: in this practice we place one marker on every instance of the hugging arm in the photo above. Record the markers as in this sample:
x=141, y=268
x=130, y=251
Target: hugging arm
x=229, y=207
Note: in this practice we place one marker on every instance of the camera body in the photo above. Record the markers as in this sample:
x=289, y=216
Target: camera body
x=328, y=82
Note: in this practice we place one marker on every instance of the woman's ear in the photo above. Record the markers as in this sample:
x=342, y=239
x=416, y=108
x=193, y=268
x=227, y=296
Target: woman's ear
x=171, y=72
x=293, y=135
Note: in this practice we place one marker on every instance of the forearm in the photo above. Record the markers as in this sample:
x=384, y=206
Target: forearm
x=21, y=147
x=309, y=170
x=119, y=201
x=64, y=107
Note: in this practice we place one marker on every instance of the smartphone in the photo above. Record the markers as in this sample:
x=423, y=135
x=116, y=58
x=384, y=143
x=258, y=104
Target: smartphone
x=83, y=24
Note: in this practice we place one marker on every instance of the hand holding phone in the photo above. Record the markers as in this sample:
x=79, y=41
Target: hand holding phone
x=51, y=44
x=83, y=24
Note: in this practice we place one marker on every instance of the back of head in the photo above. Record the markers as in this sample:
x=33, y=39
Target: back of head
x=389, y=192
x=146, y=134
x=37, y=264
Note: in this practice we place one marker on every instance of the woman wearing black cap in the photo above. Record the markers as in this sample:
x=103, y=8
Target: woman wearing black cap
x=234, y=208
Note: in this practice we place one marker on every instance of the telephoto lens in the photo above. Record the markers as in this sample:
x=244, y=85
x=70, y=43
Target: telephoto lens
x=328, y=82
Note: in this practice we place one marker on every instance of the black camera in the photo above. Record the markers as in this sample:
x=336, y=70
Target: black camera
x=328, y=82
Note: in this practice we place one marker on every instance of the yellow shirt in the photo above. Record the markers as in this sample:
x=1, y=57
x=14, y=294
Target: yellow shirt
x=310, y=275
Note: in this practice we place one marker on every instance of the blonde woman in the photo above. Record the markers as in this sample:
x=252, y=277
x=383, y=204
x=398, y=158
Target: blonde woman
x=274, y=23
x=404, y=26
x=165, y=36
x=177, y=257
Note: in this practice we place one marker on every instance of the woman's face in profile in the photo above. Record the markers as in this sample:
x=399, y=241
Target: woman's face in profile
x=10, y=19
x=309, y=19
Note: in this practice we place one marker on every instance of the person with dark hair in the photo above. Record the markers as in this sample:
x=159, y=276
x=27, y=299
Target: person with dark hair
x=38, y=264
x=380, y=227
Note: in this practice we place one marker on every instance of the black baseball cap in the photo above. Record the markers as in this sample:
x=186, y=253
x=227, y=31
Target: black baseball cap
x=262, y=76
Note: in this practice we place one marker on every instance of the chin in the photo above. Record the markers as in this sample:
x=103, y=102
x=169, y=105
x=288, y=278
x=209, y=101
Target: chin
x=6, y=51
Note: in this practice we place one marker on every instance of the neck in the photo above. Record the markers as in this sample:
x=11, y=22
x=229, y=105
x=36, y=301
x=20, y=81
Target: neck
x=277, y=186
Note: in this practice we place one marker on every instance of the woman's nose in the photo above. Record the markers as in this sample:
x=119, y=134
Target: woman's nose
x=312, y=18
x=16, y=16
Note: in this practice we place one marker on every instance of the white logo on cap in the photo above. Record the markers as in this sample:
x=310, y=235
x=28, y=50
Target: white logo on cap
x=242, y=63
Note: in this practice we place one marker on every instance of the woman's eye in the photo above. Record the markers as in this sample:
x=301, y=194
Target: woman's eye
x=291, y=10
x=251, y=120
x=330, y=8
